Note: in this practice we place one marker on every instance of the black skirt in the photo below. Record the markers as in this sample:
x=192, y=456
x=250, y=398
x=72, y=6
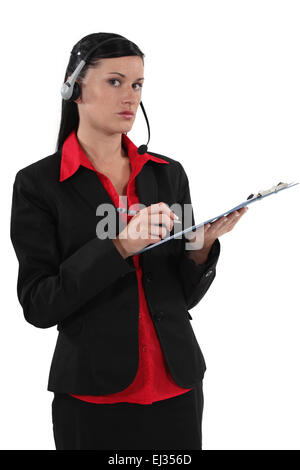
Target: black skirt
x=174, y=423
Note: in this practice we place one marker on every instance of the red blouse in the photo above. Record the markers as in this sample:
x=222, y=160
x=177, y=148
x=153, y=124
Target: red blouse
x=153, y=380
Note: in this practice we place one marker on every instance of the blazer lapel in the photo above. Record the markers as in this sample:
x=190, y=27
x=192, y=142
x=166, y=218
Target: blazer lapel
x=146, y=185
x=147, y=190
x=90, y=188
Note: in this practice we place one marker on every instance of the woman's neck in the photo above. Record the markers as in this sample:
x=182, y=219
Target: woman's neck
x=102, y=150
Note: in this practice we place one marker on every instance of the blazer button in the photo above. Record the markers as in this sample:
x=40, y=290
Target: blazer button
x=158, y=316
x=208, y=273
x=149, y=276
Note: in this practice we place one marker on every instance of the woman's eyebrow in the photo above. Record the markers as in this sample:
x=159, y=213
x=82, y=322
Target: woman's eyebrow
x=122, y=75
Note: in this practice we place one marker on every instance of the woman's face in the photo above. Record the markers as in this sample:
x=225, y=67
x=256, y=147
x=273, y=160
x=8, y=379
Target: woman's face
x=105, y=94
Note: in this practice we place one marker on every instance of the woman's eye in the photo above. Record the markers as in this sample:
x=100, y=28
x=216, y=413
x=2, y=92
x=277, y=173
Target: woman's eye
x=116, y=80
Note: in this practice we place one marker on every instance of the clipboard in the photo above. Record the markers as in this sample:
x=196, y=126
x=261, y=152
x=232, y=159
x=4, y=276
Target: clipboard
x=250, y=199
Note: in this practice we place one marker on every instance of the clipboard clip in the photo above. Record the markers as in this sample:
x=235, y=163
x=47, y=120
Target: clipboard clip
x=274, y=189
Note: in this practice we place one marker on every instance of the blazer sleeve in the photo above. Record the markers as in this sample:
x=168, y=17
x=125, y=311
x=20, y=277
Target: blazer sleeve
x=195, y=278
x=50, y=289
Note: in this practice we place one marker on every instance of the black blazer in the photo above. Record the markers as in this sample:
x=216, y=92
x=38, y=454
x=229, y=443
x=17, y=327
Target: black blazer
x=71, y=278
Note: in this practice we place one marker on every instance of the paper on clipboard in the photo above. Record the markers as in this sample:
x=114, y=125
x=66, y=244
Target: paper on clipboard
x=252, y=198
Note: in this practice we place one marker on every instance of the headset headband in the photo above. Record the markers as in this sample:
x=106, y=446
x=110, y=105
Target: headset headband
x=67, y=88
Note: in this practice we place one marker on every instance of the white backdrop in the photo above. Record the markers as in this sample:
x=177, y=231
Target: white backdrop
x=222, y=96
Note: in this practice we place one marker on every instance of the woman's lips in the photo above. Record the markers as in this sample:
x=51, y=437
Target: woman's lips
x=126, y=115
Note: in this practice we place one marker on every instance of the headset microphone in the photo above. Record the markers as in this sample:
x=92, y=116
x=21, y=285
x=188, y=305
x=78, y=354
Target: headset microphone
x=70, y=90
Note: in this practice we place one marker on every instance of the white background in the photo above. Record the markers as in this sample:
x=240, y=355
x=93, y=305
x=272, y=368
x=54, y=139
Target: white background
x=222, y=96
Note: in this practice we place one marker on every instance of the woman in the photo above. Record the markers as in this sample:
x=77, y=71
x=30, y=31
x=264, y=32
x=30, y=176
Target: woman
x=127, y=369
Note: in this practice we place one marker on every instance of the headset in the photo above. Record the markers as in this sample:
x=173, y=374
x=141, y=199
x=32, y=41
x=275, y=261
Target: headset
x=71, y=90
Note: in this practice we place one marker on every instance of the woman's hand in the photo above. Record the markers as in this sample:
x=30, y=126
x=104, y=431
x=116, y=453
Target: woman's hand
x=143, y=229
x=223, y=225
x=204, y=239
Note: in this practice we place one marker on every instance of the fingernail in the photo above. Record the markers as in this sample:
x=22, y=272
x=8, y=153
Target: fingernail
x=176, y=216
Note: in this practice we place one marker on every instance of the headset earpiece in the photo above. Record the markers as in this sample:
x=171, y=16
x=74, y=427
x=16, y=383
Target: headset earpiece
x=76, y=92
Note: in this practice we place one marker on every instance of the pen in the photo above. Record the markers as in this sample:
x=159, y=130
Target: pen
x=131, y=212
